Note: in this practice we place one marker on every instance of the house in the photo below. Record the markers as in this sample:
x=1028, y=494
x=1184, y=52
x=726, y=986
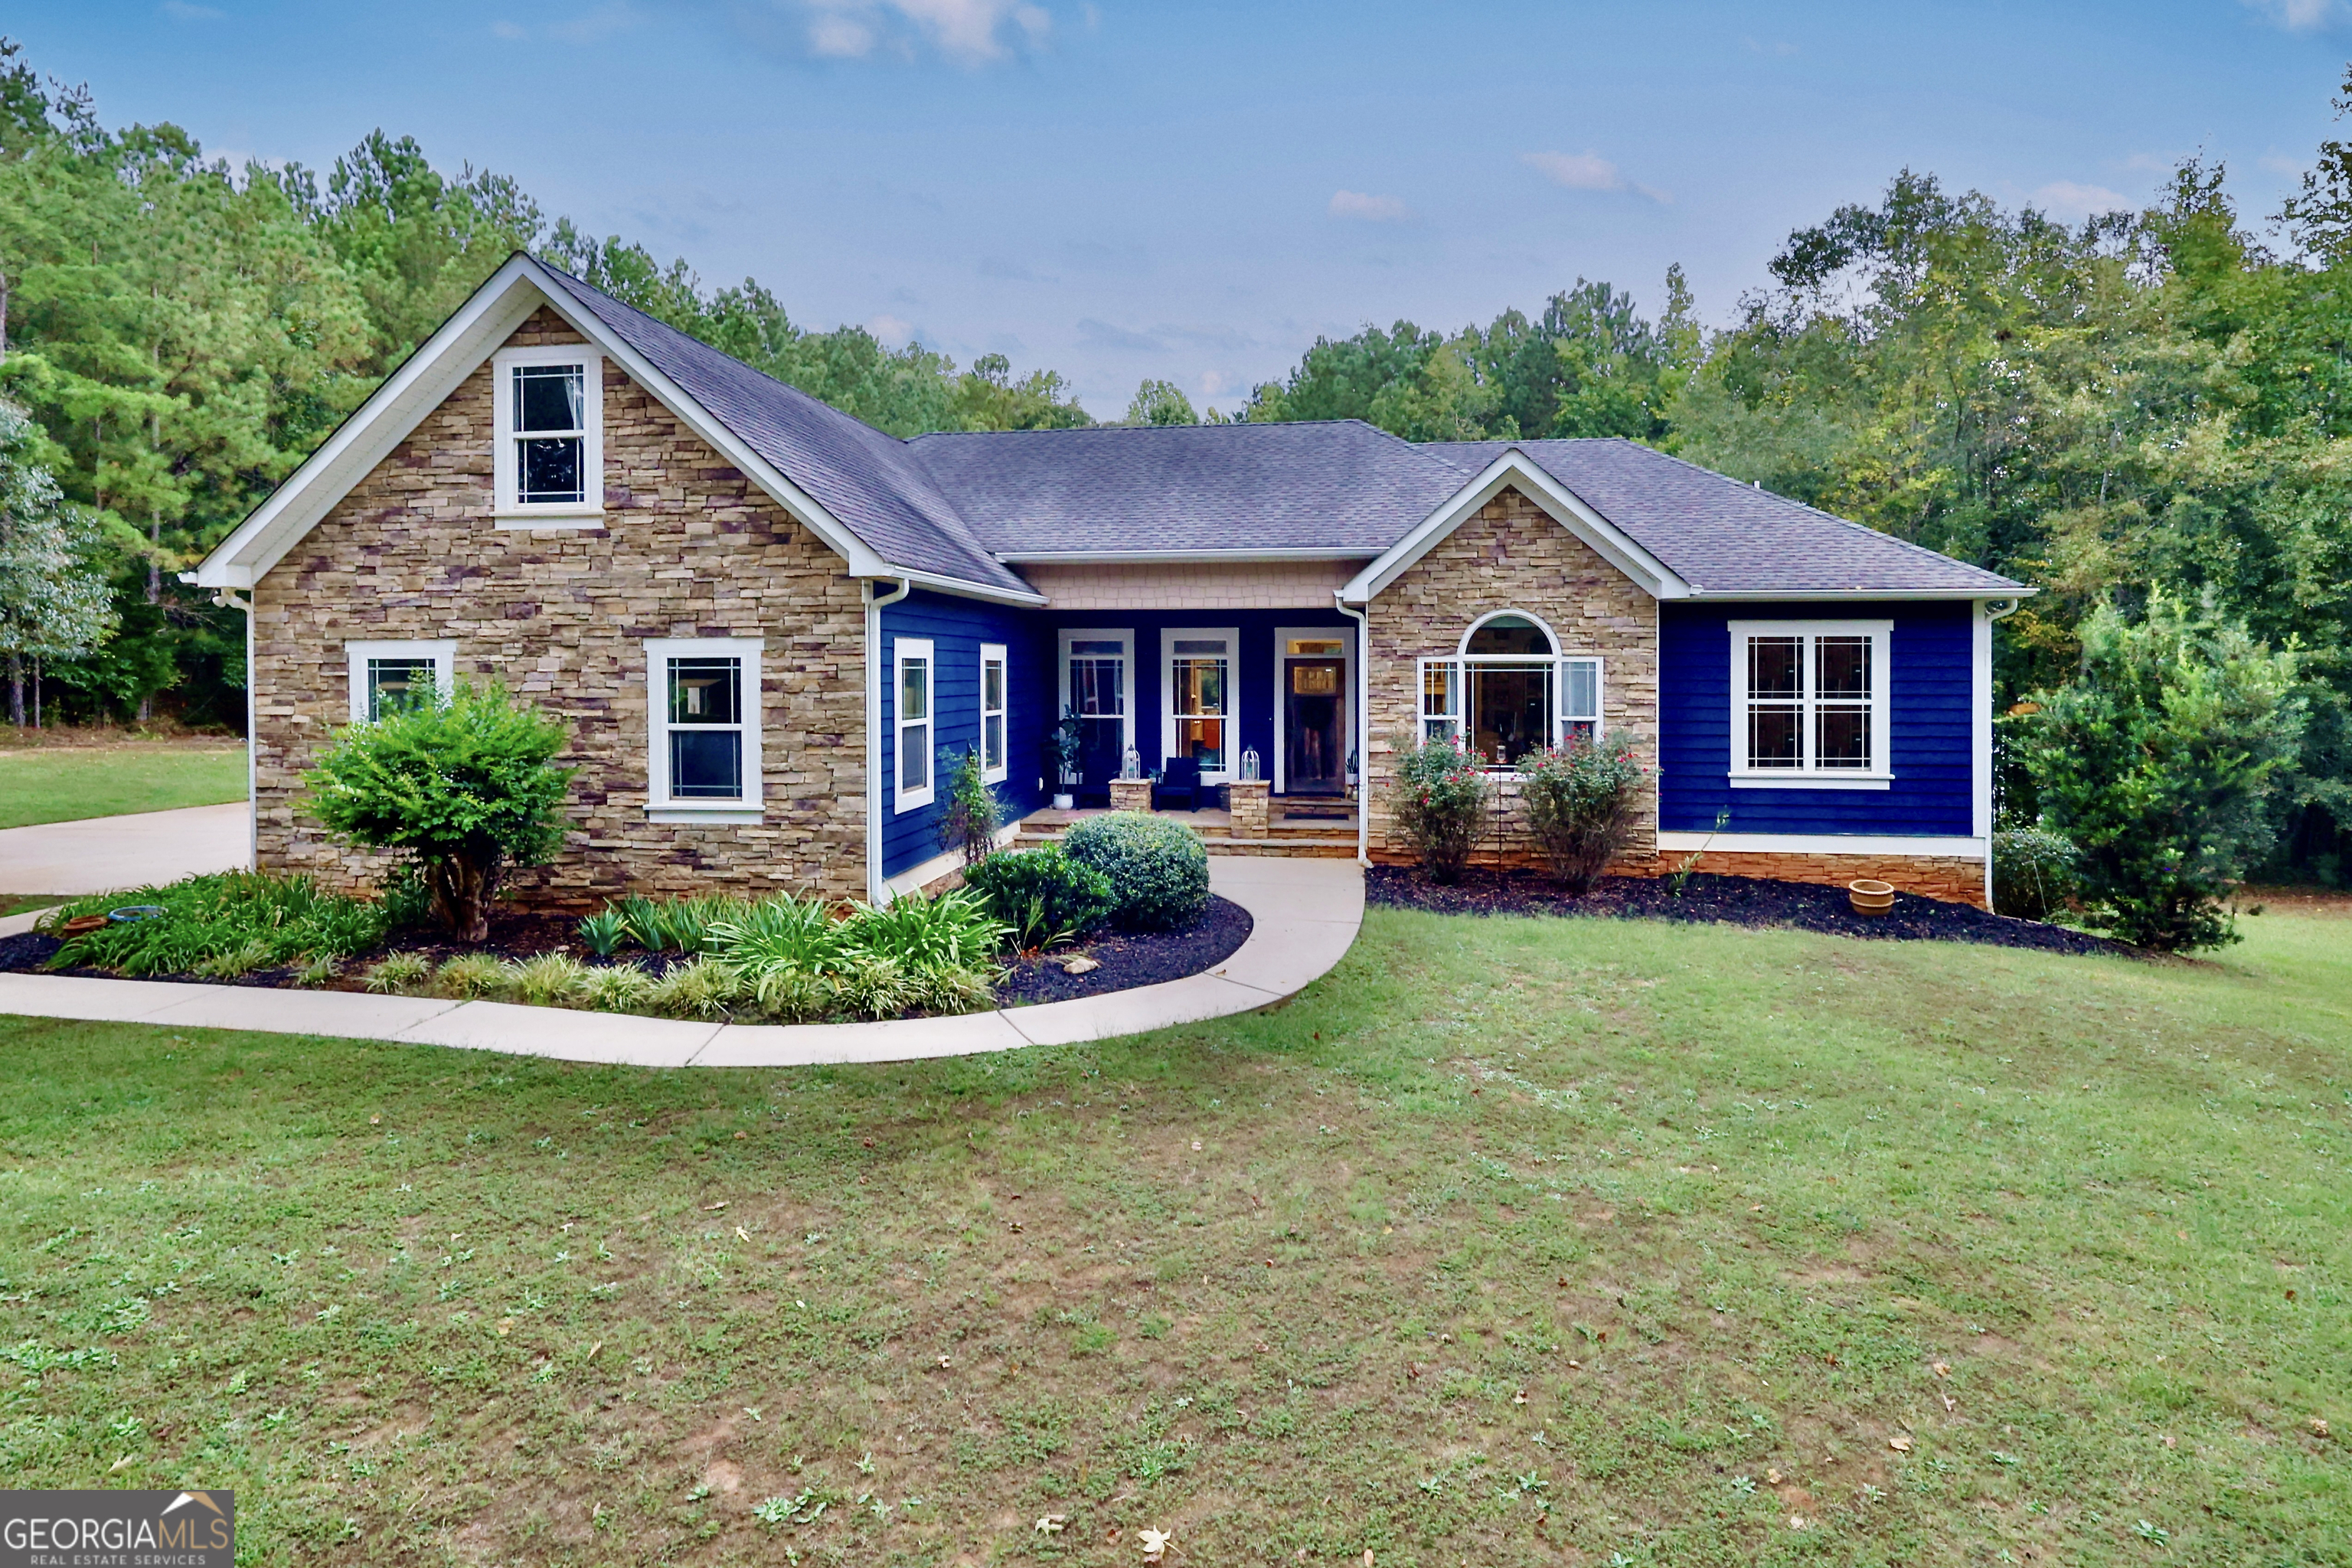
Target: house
x=774, y=629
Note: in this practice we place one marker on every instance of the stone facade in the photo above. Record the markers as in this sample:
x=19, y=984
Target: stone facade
x=1511, y=556
x=1947, y=876
x=689, y=547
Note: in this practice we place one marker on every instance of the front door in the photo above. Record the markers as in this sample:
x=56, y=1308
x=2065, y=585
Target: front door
x=1315, y=697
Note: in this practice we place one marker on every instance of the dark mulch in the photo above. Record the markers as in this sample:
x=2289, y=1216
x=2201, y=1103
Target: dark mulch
x=1737, y=900
x=1144, y=958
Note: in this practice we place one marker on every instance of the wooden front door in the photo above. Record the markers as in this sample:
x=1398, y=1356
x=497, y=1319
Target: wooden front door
x=1314, y=707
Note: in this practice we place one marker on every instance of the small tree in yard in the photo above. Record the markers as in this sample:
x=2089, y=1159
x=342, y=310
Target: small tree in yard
x=53, y=599
x=465, y=788
x=1582, y=801
x=2158, y=761
x=971, y=818
x=1440, y=800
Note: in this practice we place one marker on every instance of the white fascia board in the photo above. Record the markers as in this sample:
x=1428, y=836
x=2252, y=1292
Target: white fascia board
x=368, y=437
x=1956, y=847
x=1515, y=469
x=956, y=586
x=1831, y=596
x=1174, y=557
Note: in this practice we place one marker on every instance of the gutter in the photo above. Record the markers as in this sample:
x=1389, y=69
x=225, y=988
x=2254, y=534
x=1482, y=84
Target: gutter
x=1363, y=726
x=877, y=891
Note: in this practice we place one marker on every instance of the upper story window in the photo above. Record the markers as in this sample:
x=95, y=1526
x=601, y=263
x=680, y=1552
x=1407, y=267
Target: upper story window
x=1510, y=692
x=387, y=677
x=548, y=414
x=703, y=713
x=1808, y=704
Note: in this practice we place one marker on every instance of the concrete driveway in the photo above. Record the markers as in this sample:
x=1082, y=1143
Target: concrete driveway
x=100, y=854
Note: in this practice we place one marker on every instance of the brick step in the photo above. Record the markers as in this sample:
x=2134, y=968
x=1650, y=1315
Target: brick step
x=1289, y=844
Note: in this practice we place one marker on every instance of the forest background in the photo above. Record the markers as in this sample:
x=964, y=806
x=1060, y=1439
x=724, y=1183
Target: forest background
x=2147, y=401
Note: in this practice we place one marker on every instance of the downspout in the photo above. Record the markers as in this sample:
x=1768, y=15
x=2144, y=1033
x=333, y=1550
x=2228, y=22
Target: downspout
x=875, y=891
x=1994, y=610
x=1363, y=725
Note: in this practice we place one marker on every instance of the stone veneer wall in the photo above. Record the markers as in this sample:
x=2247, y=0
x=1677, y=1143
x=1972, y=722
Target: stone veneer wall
x=1947, y=876
x=1511, y=556
x=689, y=547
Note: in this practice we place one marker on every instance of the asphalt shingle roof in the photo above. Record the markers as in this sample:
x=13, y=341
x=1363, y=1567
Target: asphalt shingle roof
x=950, y=504
x=1723, y=536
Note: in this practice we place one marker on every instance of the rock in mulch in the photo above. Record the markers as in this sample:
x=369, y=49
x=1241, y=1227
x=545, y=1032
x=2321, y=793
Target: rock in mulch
x=1737, y=900
x=1123, y=961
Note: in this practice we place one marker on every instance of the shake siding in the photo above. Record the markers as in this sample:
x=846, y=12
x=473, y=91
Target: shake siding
x=956, y=628
x=1929, y=687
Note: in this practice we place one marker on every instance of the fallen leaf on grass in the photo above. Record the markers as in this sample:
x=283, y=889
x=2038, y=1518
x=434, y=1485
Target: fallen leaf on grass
x=1796, y=1521
x=1951, y=1404
x=714, y=1208
x=1941, y=1369
x=1521, y=1397
x=1053, y=1523
x=1154, y=1543
x=1771, y=1477
x=1900, y=1444
x=2318, y=1428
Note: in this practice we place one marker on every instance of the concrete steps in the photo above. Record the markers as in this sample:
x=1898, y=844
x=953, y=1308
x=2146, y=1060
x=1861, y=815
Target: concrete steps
x=1324, y=839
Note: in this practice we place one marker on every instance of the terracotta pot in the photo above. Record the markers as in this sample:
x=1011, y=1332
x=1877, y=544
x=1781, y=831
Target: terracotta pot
x=1869, y=897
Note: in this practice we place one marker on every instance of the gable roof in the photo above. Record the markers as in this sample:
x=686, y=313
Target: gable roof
x=1725, y=539
x=960, y=510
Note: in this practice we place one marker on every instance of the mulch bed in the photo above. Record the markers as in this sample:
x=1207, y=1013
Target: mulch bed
x=1737, y=900
x=1144, y=958
x=1126, y=961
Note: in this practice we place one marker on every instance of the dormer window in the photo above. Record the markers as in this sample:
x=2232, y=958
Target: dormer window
x=550, y=460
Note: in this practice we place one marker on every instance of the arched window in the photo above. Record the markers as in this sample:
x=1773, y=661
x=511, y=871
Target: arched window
x=1509, y=692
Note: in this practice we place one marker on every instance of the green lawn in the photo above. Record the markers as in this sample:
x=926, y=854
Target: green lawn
x=65, y=783
x=1511, y=1242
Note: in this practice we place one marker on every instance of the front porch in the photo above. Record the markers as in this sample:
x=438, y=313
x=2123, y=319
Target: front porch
x=1307, y=834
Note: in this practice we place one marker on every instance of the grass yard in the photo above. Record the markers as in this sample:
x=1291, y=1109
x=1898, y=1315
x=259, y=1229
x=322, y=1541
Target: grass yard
x=1511, y=1242
x=68, y=782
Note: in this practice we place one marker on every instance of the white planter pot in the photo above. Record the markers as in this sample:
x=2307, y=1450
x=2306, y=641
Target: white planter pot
x=1065, y=803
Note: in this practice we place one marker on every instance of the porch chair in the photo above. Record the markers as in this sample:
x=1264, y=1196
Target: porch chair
x=1181, y=780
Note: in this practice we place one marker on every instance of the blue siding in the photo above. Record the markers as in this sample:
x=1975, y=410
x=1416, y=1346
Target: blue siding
x=1931, y=740
x=957, y=627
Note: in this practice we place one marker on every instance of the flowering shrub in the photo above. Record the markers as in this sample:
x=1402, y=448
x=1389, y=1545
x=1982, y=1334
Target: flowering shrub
x=1439, y=799
x=1582, y=801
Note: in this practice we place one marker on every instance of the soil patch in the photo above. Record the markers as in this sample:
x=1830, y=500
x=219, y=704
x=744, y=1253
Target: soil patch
x=1128, y=959
x=1736, y=900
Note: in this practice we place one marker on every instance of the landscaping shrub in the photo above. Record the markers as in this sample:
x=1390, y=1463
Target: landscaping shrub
x=1584, y=800
x=1440, y=800
x=465, y=788
x=2159, y=761
x=2033, y=873
x=782, y=934
x=969, y=824
x=1158, y=869
x=677, y=925
x=222, y=925
x=1043, y=896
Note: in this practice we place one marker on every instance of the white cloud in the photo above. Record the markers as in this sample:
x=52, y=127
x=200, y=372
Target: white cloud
x=2071, y=198
x=2299, y=16
x=1586, y=172
x=1377, y=210
x=895, y=331
x=971, y=31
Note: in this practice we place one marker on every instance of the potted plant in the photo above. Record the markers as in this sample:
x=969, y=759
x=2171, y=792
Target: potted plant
x=1065, y=743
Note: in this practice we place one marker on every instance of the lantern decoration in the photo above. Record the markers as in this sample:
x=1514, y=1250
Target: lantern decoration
x=1249, y=773
x=1130, y=766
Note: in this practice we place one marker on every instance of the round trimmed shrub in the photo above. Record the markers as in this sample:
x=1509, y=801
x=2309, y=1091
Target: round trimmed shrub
x=2035, y=871
x=1158, y=869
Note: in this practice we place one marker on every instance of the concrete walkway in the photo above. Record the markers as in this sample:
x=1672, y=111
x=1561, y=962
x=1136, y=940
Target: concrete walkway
x=100, y=854
x=1305, y=915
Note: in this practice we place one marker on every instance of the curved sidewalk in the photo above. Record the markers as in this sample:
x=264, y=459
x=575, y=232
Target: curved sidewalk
x=1305, y=912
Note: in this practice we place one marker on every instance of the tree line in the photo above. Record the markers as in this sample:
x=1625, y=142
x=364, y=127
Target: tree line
x=2142, y=406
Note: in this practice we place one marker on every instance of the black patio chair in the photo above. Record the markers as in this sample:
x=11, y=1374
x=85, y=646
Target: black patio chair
x=1180, y=780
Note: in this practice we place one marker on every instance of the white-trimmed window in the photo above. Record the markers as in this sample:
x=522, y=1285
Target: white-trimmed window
x=1197, y=677
x=991, y=712
x=386, y=676
x=1808, y=704
x=1509, y=692
x=703, y=702
x=547, y=410
x=911, y=668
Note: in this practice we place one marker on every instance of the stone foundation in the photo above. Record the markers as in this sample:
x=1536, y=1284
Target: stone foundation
x=1949, y=878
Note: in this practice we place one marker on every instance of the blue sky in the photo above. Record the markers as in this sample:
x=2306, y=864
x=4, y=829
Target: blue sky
x=1120, y=190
